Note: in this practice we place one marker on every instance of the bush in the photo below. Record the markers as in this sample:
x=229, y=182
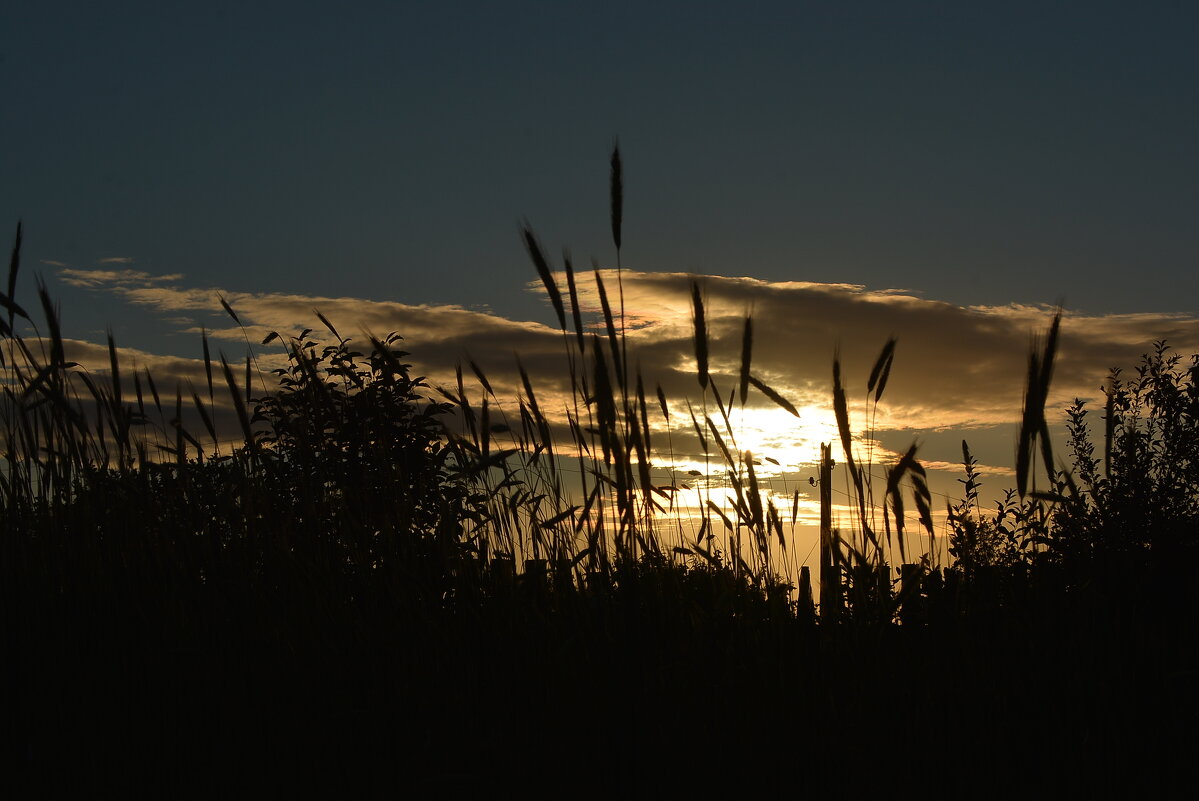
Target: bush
x=352, y=431
x=1141, y=495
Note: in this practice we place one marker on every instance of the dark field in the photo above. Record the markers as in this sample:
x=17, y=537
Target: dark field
x=374, y=592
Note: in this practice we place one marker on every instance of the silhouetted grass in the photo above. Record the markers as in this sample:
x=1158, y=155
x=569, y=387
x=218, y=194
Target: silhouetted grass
x=375, y=589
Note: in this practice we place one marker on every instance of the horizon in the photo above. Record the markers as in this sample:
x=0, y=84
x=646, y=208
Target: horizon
x=942, y=390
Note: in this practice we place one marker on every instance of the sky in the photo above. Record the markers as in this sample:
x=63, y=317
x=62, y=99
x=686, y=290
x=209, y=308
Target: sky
x=941, y=172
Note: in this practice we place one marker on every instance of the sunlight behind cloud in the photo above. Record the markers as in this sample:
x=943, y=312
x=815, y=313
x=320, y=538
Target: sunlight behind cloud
x=956, y=369
x=776, y=438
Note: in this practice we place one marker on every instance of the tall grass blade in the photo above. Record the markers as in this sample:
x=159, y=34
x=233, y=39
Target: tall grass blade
x=699, y=433
x=543, y=270
x=177, y=422
x=239, y=406
x=53, y=317
x=617, y=195
x=479, y=374
x=770, y=392
x=14, y=310
x=14, y=267
x=701, y=335
x=755, y=506
x=841, y=411
x=609, y=327
x=206, y=418
x=724, y=449
x=324, y=320
x=228, y=309
x=747, y=346
x=881, y=370
x=114, y=367
x=137, y=391
x=207, y=361
x=1032, y=424
x=576, y=312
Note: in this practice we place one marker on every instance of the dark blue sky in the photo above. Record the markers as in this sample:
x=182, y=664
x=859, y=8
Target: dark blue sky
x=977, y=153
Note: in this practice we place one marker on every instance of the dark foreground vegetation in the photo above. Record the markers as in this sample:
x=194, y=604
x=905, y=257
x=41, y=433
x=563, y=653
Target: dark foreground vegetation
x=385, y=587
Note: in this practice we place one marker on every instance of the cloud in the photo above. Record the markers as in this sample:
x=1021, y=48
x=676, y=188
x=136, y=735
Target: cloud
x=980, y=469
x=116, y=260
x=955, y=367
x=113, y=279
x=150, y=382
x=168, y=371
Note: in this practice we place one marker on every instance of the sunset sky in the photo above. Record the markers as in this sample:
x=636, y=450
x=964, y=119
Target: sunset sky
x=940, y=172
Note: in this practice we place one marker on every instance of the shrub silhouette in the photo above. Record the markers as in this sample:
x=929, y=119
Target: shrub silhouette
x=1143, y=494
x=361, y=466
x=1122, y=518
x=1131, y=512
x=356, y=427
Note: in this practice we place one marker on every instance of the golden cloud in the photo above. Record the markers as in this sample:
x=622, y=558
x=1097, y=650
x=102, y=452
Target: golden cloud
x=955, y=367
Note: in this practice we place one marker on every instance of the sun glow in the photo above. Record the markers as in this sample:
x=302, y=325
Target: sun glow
x=778, y=441
x=784, y=452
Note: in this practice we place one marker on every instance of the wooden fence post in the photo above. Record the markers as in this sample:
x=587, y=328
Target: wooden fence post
x=830, y=571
